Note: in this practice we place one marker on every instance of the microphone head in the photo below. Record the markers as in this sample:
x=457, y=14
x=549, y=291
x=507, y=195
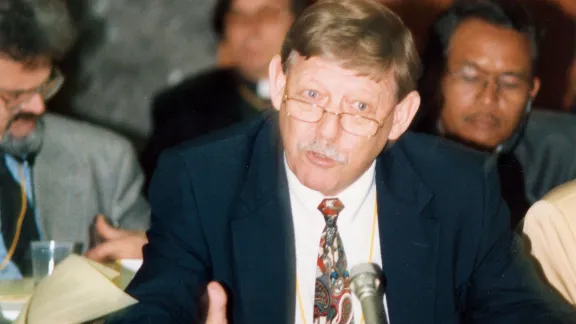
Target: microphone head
x=364, y=268
x=365, y=280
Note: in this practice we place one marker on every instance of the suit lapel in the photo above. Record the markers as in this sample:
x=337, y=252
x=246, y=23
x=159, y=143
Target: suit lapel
x=409, y=238
x=263, y=237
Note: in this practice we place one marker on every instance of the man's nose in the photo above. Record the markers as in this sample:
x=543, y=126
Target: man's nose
x=34, y=105
x=329, y=125
x=489, y=92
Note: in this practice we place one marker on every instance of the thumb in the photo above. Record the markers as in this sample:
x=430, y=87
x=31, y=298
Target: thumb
x=105, y=230
x=104, y=252
x=217, y=300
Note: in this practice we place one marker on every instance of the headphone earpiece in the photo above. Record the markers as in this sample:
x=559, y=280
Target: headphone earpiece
x=528, y=108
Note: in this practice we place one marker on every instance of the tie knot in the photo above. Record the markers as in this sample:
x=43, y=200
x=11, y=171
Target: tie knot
x=330, y=208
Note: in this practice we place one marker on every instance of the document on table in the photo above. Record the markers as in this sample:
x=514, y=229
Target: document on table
x=79, y=290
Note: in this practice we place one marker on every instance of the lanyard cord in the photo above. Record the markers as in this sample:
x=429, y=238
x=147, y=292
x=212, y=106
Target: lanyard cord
x=23, y=208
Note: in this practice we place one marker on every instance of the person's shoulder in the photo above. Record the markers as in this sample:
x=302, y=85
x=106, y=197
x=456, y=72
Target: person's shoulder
x=204, y=82
x=83, y=136
x=550, y=124
x=228, y=143
x=562, y=194
x=460, y=179
x=548, y=132
x=444, y=166
x=435, y=151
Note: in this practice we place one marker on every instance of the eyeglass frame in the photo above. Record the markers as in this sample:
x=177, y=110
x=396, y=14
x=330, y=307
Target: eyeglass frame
x=56, y=75
x=485, y=79
x=337, y=114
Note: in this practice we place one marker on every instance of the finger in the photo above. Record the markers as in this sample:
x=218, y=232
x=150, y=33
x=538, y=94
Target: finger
x=216, y=304
x=106, y=251
x=106, y=231
x=126, y=247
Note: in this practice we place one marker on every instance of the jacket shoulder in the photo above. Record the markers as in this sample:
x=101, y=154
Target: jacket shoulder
x=83, y=136
x=438, y=152
x=225, y=143
x=204, y=83
x=449, y=168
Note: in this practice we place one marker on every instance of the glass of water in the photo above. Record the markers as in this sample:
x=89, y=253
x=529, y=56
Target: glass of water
x=46, y=255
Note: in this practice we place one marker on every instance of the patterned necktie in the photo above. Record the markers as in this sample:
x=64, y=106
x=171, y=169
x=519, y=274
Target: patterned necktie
x=332, y=297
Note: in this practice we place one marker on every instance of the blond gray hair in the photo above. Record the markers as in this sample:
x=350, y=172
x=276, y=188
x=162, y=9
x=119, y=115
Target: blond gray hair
x=364, y=35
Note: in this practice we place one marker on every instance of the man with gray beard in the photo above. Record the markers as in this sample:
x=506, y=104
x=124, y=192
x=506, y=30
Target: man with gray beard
x=58, y=177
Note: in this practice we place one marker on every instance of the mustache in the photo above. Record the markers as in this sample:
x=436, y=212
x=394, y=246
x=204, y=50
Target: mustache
x=22, y=116
x=493, y=119
x=326, y=150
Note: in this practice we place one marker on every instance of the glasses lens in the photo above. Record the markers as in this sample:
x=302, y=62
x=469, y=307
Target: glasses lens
x=50, y=88
x=358, y=125
x=304, y=111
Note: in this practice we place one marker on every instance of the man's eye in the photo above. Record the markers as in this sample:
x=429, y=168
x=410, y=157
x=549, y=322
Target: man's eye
x=510, y=83
x=313, y=94
x=469, y=77
x=360, y=106
x=8, y=96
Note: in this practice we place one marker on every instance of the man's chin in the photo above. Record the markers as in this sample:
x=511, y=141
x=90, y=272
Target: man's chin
x=22, y=127
x=325, y=185
x=254, y=72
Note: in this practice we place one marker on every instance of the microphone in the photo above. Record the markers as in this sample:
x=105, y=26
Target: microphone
x=365, y=282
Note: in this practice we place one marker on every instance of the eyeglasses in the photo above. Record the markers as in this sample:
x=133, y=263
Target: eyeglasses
x=13, y=99
x=312, y=113
x=510, y=87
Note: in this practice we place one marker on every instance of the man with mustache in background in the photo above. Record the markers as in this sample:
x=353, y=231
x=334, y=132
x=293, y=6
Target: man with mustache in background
x=56, y=174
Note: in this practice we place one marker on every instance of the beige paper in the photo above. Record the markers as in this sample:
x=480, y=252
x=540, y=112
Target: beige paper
x=77, y=291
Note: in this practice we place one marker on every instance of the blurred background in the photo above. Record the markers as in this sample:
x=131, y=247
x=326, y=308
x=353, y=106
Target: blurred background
x=128, y=50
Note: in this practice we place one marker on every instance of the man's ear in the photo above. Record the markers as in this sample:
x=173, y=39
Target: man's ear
x=277, y=81
x=535, y=87
x=403, y=115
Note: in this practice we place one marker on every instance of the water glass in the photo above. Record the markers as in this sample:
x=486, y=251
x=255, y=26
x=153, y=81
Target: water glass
x=46, y=255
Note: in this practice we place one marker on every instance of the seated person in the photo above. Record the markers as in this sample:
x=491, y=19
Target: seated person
x=253, y=32
x=550, y=230
x=57, y=174
x=478, y=89
x=280, y=209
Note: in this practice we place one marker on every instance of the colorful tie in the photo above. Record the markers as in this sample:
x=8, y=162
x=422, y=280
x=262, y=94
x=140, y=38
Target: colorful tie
x=332, y=297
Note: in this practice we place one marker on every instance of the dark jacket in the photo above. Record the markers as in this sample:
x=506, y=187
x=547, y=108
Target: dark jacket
x=221, y=211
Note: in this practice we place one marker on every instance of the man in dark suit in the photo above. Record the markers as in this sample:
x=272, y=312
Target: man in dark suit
x=253, y=32
x=478, y=88
x=278, y=210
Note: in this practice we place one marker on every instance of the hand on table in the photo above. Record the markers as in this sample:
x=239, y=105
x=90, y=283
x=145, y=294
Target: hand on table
x=117, y=244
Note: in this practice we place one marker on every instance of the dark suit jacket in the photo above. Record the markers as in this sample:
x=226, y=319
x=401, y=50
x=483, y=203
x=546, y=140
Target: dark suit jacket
x=197, y=106
x=221, y=211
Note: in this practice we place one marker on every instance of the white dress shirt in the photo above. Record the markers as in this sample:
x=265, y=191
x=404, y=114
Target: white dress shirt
x=356, y=224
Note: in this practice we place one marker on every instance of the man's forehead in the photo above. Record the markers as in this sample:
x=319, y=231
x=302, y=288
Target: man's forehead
x=254, y=5
x=18, y=76
x=327, y=71
x=489, y=46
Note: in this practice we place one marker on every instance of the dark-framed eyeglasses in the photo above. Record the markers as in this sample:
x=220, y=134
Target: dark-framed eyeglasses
x=13, y=99
x=354, y=124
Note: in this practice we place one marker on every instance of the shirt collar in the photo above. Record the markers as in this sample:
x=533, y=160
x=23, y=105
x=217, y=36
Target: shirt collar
x=352, y=197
